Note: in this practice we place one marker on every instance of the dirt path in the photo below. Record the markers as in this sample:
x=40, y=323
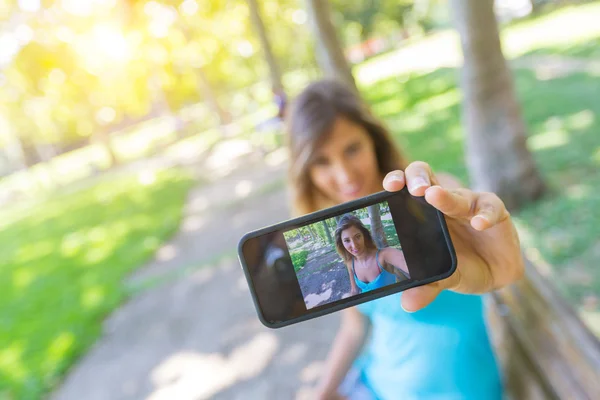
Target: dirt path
x=194, y=333
x=324, y=278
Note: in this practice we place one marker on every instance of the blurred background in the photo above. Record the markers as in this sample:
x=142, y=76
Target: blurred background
x=139, y=140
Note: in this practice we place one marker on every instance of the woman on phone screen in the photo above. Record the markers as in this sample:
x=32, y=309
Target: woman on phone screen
x=369, y=268
x=428, y=342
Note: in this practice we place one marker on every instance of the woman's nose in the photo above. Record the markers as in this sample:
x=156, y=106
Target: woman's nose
x=343, y=173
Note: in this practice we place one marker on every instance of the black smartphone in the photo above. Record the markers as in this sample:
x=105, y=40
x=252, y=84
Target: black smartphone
x=304, y=267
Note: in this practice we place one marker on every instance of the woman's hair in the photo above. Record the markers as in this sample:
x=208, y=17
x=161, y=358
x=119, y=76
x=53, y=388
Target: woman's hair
x=347, y=221
x=311, y=118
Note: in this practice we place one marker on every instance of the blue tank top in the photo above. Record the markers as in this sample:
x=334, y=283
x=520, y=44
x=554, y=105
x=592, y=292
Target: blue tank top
x=383, y=279
x=440, y=352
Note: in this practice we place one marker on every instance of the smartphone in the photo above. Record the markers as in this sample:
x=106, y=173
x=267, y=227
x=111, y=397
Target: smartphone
x=305, y=267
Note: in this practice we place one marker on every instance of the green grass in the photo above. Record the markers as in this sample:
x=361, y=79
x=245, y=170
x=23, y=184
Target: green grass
x=563, y=116
x=569, y=27
x=574, y=26
x=589, y=50
x=62, y=267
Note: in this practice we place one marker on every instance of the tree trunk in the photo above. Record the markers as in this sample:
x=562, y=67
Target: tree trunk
x=255, y=17
x=330, y=55
x=496, y=151
x=327, y=233
x=210, y=97
x=332, y=224
x=102, y=138
x=377, y=227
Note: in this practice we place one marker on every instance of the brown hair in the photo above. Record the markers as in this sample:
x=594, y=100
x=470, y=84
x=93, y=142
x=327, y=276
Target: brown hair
x=312, y=116
x=347, y=221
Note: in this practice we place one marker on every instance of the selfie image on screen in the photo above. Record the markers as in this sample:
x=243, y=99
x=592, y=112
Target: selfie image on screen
x=347, y=255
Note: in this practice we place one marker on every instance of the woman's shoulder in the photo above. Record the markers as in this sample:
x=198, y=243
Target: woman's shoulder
x=387, y=250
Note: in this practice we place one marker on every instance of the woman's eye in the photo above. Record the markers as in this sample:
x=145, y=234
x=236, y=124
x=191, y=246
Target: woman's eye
x=320, y=161
x=353, y=149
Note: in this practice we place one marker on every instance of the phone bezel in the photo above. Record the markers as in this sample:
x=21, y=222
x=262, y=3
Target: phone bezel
x=323, y=214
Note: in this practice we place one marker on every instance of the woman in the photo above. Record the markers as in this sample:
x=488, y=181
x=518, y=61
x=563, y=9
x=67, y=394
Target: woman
x=428, y=342
x=369, y=268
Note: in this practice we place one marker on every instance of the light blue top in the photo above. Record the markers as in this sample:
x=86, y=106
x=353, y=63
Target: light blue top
x=383, y=279
x=440, y=352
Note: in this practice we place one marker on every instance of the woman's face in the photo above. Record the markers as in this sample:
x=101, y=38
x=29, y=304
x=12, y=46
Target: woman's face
x=345, y=167
x=353, y=240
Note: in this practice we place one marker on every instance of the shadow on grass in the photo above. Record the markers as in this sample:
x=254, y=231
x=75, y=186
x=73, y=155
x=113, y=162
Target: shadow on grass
x=590, y=49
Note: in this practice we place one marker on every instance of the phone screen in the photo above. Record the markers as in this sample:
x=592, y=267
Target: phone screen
x=330, y=261
x=343, y=256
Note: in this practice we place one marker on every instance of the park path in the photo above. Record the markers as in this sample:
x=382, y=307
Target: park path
x=193, y=333
x=324, y=277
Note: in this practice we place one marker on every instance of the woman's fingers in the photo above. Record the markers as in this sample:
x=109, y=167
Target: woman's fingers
x=455, y=203
x=417, y=298
x=394, y=181
x=483, y=210
x=418, y=176
x=489, y=211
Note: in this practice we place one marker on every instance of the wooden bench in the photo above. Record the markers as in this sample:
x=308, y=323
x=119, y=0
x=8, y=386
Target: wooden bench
x=544, y=348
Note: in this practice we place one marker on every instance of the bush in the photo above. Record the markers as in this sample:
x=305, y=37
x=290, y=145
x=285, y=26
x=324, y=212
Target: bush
x=299, y=259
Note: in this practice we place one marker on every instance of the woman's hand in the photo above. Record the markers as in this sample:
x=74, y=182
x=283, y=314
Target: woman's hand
x=484, y=237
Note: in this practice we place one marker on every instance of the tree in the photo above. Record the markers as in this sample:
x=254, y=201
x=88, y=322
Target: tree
x=257, y=22
x=497, y=156
x=377, y=227
x=327, y=233
x=330, y=55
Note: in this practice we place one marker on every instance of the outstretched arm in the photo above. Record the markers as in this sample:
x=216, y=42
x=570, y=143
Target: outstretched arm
x=395, y=258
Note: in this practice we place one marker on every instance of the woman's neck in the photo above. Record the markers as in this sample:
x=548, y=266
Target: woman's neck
x=365, y=256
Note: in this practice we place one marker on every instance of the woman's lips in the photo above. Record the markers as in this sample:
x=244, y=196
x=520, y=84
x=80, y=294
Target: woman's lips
x=351, y=190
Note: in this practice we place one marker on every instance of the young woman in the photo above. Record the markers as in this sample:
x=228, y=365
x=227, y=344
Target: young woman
x=368, y=267
x=428, y=342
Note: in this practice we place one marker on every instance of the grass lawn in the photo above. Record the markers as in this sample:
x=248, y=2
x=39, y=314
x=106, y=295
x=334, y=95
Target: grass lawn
x=563, y=116
x=570, y=31
x=62, y=270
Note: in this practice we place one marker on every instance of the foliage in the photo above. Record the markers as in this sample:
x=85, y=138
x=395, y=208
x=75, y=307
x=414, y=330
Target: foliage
x=62, y=268
x=299, y=259
x=60, y=85
x=362, y=19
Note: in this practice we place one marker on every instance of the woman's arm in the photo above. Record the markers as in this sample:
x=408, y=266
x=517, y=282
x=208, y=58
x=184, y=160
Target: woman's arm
x=347, y=344
x=353, y=288
x=395, y=258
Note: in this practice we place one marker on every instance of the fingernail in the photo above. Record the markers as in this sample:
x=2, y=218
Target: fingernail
x=430, y=187
x=395, y=178
x=483, y=217
x=405, y=310
x=417, y=182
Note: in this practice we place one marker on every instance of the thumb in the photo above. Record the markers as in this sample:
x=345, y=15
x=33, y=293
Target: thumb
x=417, y=298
